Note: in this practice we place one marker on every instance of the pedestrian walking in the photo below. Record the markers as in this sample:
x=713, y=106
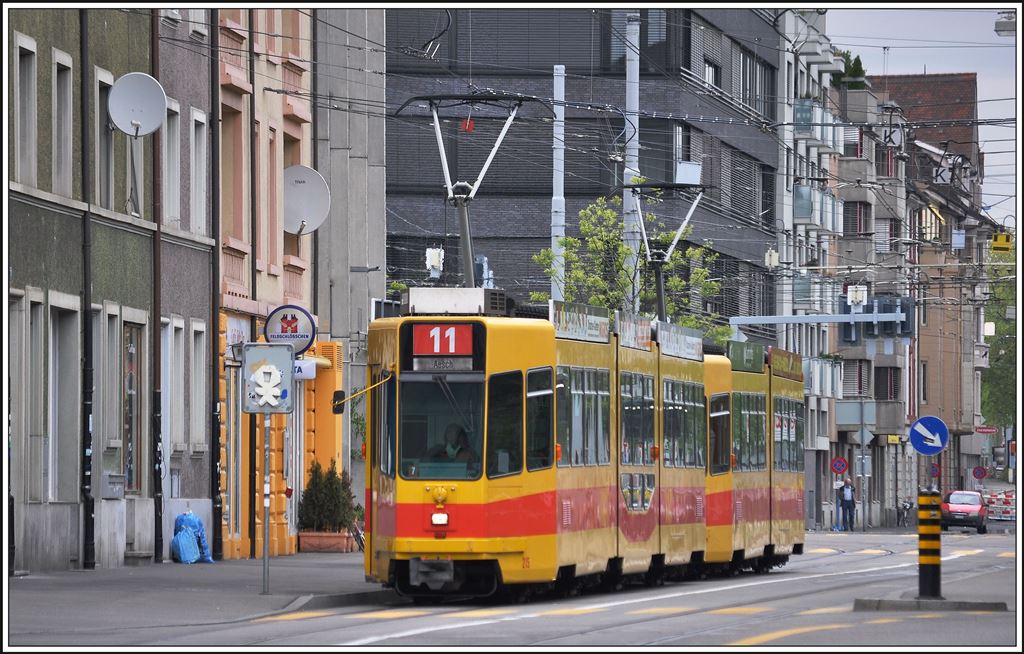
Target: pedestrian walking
x=849, y=504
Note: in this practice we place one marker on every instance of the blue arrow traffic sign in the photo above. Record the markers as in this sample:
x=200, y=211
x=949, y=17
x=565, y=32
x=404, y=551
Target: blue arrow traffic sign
x=929, y=435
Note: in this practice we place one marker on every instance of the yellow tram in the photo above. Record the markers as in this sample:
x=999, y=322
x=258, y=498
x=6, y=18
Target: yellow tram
x=513, y=452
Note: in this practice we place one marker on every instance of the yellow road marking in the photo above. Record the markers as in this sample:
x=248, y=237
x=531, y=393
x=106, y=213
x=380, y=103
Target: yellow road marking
x=297, y=615
x=776, y=635
x=479, y=613
x=823, y=550
x=740, y=610
x=967, y=552
x=669, y=610
x=882, y=621
x=581, y=611
x=395, y=613
x=910, y=552
x=980, y=612
x=927, y=616
x=1007, y=555
x=827, y=609
x=872, y=552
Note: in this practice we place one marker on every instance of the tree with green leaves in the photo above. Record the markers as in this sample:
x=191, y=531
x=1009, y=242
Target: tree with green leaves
x=596, y=270
x=999, y=380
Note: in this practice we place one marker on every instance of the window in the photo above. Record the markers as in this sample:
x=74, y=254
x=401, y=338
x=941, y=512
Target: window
x=856, y=218
x=197, y=379
x=273, y=223
x=197, y=22
x=564, y=406
x=62, y=122
x=539, y=397
x=135, y=184
x=718, y=438
x=712, y=73
x=104, y=142
x=853, y=142
x=924, y=381
x=233, y=175
x=198, y=170
x=26, y=143
x=292, y=157
x=132, y=434
x=637, y=422
x=505, y=424
x=60, y=468
x=37, y=404
x=855, y=377
x=171, y=141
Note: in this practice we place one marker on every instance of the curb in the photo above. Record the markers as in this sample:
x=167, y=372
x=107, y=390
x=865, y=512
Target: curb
x=925, y=605
x=309, y=602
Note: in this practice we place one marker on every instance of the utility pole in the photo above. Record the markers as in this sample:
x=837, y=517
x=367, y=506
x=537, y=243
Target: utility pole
x=631, y=231
x=558, y=187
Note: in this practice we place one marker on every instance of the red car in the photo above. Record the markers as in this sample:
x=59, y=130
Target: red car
x=965, y=508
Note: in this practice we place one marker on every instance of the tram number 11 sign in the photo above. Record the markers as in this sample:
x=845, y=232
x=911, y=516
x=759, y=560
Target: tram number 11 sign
x=442, y=340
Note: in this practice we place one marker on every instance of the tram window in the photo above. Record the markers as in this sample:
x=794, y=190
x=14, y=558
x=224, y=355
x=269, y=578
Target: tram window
x=563, y=424
x=738, y=435
x=702, y=429
x=761, y=443
x=538, y=419
x=668, y=422
x=799, y=437
x=630, y=420
x=776, y=434
x=576, y=435
x=386, y=431
x=590, y=411
x=430, y=405
x=505, y=424
x=718, y=438
x=604, y=443
x=648, y=419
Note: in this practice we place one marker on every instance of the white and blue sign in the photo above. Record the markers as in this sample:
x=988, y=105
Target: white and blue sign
x=929, y=435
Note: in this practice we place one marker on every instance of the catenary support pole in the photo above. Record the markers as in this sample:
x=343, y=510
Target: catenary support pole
x=558, y=187
x=631, y=231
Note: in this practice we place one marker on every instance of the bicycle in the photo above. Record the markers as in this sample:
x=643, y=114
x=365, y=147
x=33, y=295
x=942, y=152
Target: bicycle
x=357, y=534
x=903, y=514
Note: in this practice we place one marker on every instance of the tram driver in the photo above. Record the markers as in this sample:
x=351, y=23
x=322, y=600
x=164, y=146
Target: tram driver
x=455, y=447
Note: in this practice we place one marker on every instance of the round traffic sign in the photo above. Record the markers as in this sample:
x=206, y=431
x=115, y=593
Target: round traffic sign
x=935, y=470
x=290, y=323
x=839, y=465
x=929, y=435
x=980, y=472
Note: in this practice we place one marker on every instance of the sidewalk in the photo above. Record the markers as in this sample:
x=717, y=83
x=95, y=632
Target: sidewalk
x=173, y=594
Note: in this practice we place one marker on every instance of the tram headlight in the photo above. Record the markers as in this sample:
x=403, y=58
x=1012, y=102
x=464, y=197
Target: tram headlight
x=439, y=519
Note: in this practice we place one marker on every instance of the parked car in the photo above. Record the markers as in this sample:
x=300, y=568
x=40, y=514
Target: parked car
x=965, y=508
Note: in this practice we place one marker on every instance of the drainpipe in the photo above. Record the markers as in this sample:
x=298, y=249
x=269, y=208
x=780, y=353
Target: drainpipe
x=88, y=503
x=214, y=394
x=253, y=226
x=314, y=134
x=158, y=210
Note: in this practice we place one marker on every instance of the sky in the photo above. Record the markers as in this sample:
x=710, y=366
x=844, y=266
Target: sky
x=957, y=39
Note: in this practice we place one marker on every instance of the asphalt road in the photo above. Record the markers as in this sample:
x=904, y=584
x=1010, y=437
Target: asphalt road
x=808, y=603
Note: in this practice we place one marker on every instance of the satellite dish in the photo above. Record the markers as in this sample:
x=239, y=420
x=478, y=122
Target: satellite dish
x=307, y=199
x=137, y=105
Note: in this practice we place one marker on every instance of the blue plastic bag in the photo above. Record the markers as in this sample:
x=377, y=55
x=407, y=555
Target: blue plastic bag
x=184, y=547
x=193, y=523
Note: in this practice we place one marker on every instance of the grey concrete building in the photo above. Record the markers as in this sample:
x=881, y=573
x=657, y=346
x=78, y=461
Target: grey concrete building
x=80, y=479
x=349, y=128
x=187, y=328
x=705, y=94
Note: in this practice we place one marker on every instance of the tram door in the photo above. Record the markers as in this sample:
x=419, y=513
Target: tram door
x=638, y=480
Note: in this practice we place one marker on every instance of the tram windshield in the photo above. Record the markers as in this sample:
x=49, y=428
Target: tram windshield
x=441, y=426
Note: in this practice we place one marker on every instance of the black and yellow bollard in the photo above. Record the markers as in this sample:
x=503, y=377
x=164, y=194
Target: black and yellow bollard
x=929, y=545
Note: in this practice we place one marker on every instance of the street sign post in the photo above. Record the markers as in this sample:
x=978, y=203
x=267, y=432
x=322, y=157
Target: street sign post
x=929, y=435
x=839, y=465
x=268, y=373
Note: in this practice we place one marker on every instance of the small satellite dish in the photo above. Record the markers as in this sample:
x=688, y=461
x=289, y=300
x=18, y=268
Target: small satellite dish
x=137, y=105
x=307, y=199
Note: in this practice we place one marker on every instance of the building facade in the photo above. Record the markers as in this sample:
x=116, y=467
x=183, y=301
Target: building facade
x=704, y=88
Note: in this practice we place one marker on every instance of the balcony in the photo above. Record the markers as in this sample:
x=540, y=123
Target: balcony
x=822, y=378
x=880, y=416
x=803, y=116
x=807, y=203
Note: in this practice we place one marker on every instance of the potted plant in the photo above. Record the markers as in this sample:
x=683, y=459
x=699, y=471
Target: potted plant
x=326, y=511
